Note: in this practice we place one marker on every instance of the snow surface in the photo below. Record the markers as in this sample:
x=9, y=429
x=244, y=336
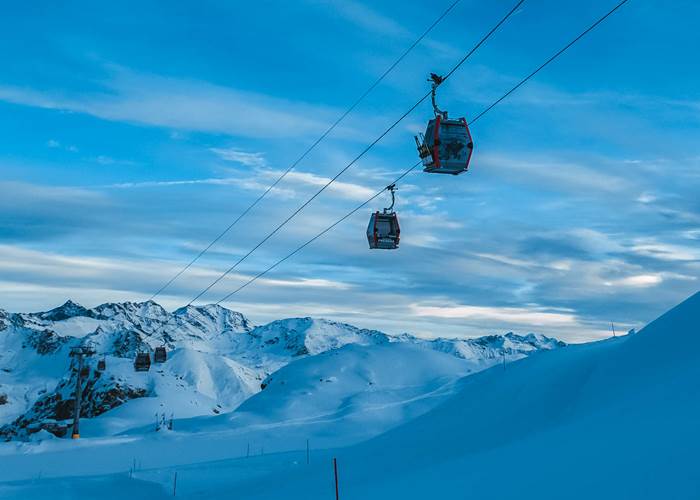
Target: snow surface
x=76, y=327
x=612, y=419
x=615, y=419
x=25, y=374
x=216, y=360
x=336, y=398
x=329, y=383
x=190, y=383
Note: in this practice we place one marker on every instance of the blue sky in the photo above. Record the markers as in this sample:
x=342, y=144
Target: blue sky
x=133, y=132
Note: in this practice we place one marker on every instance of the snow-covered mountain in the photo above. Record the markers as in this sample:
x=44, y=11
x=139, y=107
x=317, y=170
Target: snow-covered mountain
x=216, y=360
x=614, y=419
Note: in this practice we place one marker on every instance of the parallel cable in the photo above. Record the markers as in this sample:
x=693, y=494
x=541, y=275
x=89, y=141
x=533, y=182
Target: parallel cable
x=404, y=174
x=542, y=66
x=310, y=148
x=360, y=155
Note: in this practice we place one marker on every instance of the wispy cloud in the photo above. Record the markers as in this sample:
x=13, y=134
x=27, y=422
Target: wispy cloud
x=242, y=157
x=215, y=181
x=347, y=190
x=554, y=175
x=261, y=180
x=646, y=198
x=307, y=282
x=692, y=234
x=665, y=251
x=54, y=144
x=181, y=104
x=55, y=276
x=559, y=265
x=105, y=160
x=639, y=280
x=19, y=197
x=530, y=317
x=365, y=17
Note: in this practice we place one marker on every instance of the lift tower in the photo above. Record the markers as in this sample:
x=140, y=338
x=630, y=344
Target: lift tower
x=80, y=353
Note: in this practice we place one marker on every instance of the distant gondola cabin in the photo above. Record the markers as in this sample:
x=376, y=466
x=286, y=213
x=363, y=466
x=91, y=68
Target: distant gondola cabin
x=383, y=231
x=160, y=355
x=142, y=363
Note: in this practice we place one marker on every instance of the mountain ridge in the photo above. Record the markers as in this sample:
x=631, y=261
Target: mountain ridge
x=217, y=358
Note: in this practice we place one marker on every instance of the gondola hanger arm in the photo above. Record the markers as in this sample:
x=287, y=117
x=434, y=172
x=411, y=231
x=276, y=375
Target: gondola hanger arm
x=437, y=80
x=392, y=189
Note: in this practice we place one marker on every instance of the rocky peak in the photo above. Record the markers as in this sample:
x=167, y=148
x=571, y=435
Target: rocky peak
x=214, y=318
x=4, y=319
x=300, y=336
x=68, y=310
x=148, y=310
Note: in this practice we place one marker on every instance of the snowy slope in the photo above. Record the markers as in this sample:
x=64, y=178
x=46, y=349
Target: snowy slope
x=335, y=398
x=330, y=383
x=31, y=363
x=341, y=396
x=37, y=376
x=616, y=419
x=216, y=361
x=190, y=383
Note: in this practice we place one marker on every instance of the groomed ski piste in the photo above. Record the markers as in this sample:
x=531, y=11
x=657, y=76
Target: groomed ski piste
x=610, y=419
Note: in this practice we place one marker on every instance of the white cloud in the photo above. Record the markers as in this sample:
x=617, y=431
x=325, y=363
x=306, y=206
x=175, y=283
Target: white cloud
x=558, y=265
x=692, y=234
x=242, y=157
x=216, y=181
x=49, y=278
x=23, y=194
x=594, y=241
x=345, y=189
x=646, y=198
x=54, y=144
x=509, y=315
x=366, y=18
x=556, y=175
x=665, y=251
x=182, y=104
x=637, y=281
x=108, y=160
x=262, y=181
x=306, y=282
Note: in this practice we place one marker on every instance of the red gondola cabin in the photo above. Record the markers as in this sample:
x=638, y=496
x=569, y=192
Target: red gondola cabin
x=383, y=231
x=446, y=147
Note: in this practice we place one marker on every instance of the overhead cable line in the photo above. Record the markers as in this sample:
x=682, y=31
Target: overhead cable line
x=301, y=247
x=310, y=148
x=360, y=155
x=405, y=173
x=542, y=66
